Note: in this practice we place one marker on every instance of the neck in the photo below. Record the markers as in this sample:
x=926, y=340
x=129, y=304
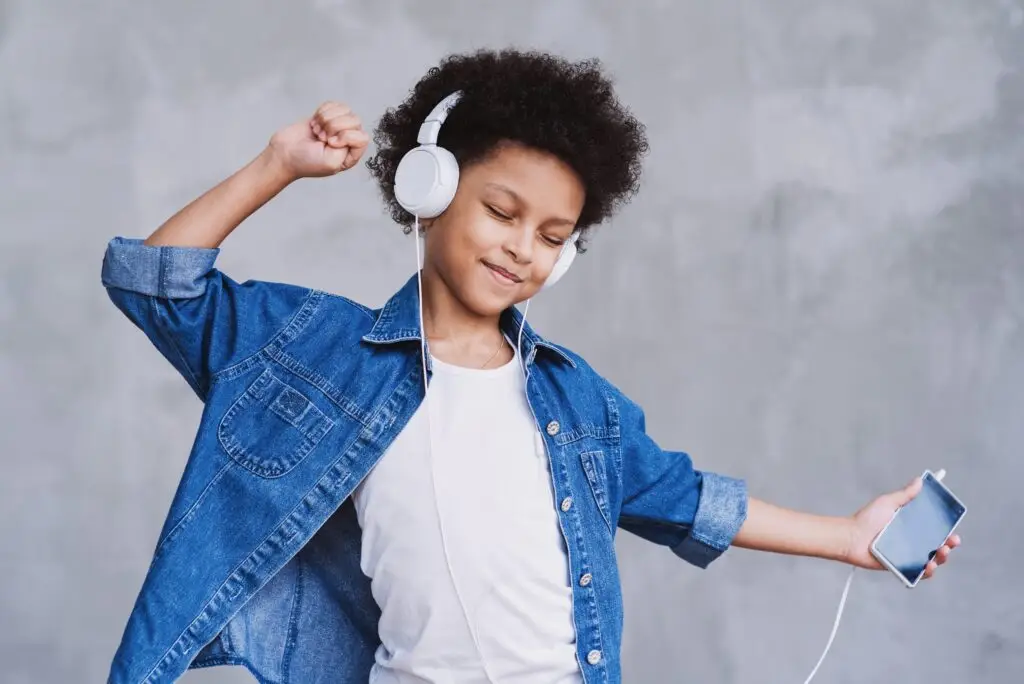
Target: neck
x=446, y=318
x=455, y=333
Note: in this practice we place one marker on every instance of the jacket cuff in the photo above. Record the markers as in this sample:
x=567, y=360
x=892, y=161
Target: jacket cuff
x=721, y=510
x=157, y=270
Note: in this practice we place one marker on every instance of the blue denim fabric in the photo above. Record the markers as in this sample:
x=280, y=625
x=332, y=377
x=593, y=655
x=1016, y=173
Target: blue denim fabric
x=257, y=563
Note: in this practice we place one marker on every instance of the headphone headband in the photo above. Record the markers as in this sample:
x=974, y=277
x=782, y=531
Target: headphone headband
x=431, y=126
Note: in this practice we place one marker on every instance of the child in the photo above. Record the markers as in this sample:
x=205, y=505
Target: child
x=331, y=525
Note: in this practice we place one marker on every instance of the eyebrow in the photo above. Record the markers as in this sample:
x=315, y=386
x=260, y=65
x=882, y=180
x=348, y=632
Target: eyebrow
x=509, y=191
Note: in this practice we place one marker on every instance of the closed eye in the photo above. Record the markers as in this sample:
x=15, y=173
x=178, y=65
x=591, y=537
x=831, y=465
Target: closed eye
x=500, y=215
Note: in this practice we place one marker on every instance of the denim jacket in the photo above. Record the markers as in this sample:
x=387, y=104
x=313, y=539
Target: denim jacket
x=257, y=563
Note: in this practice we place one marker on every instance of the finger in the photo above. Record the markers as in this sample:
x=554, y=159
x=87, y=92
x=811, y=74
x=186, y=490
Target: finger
x=331, y=108
x=909, y=492
x=352, y=158
x=929, y=569
x=953, y=541
x=350, y=138
x=349, y=149
x=335, y=158
x=327, y=112
x=942, y=555
x=356, y=149
x=317, y=129
x=338, y=124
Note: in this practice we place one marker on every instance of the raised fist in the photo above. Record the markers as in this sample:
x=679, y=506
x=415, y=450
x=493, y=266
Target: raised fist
x=332, y=140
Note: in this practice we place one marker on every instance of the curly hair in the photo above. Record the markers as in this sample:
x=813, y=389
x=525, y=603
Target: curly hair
x=540, y=100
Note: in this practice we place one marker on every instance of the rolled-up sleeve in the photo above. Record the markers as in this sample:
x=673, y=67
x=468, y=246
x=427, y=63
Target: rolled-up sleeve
x=201, y=320
x=160, y=271
x=667, y=501
x=721, y=510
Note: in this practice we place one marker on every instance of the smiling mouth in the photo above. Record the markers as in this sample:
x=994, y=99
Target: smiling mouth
x=511, y=277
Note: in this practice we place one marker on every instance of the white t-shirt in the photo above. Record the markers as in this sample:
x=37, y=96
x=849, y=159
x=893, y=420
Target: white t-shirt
x=462, y=541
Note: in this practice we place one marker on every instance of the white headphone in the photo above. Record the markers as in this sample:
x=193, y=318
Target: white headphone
x=428, y=175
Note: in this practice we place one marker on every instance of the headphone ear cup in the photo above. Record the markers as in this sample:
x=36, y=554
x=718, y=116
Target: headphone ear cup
x=563, y=263
x=426, y=180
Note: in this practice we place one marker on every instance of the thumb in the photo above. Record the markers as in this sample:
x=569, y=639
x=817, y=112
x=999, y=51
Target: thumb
x=334, y=158
x=905, y=495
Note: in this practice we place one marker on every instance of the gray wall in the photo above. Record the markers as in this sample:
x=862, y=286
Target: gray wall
x=819, y=288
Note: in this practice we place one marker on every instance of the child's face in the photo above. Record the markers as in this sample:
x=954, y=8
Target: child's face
x=512, y=213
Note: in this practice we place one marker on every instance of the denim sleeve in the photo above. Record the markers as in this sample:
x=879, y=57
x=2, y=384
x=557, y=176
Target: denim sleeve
x=198, y=318
x=665, y=500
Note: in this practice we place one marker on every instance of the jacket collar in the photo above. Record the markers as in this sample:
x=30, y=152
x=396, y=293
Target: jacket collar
x=399, y=321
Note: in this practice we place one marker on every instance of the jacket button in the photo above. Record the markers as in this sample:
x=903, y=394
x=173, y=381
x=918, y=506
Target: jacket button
x=585, y=580
x=594, y=657
x=553, y=428
x=566, y=504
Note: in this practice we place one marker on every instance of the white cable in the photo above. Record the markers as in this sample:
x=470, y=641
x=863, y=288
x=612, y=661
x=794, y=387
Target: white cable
x=519, y=341
x=835, y=626
x=423, y=330
x=522, y=362
x=430, y=454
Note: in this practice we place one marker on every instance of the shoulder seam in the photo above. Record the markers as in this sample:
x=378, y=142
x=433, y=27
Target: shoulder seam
x=311, y=299
x=351, y=302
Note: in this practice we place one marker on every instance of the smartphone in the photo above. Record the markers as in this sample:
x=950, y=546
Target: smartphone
x=918, y=529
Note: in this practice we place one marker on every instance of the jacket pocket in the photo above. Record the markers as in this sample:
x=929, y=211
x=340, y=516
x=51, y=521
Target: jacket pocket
x=597, y=476
x=271, y=427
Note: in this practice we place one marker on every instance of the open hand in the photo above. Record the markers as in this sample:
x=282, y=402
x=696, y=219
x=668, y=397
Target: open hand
x=330, y=141
x=869, y=521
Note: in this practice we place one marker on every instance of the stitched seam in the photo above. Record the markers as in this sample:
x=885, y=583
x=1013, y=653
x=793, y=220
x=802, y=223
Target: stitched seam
x=663, y=525
x=254, y=463
x=214, y=661
x=165, y=327
x=365, y=309
x=593, y=629
x=346, y=405
x=231, y=660
x=293, y=624
x=613, y=426
x=160, y=661
x=590, y=460
x=382, y=317
x=295, y=420
x=396, y=336
x=189, y=514
x=160, y=271
x=706, y=541
x=310, y=302
x=584, y=430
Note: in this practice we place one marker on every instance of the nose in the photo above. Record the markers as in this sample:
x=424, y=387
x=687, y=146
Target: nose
x=519, y=245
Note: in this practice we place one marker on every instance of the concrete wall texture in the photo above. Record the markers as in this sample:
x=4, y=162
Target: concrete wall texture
x=820, y=288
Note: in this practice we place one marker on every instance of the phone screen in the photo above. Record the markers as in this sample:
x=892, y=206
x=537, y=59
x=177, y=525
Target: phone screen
x=920, y=528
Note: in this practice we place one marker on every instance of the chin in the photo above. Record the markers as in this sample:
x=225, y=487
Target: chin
x=484, y=303
x=481, y=299
x=480, y=296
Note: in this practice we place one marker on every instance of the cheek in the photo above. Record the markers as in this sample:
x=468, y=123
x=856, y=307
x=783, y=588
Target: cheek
x=543, y=265
x=458, y=256
x=451, y=249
